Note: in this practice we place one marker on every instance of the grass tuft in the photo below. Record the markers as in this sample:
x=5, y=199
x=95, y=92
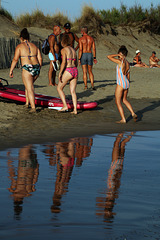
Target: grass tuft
x=5, y=13
x=91, y=19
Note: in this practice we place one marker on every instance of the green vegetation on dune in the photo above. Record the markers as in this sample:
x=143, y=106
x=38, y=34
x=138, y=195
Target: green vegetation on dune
x=38, y=19
x=95, y=20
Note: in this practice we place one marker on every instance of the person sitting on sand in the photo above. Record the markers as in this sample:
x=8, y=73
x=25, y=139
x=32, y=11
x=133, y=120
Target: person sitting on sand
x=31, y=61
x=68, y=73
x=123, y=77
x=137, y=62
x=153, y=60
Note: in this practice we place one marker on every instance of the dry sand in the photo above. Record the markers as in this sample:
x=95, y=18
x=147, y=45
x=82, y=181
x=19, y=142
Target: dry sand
x=18, y=127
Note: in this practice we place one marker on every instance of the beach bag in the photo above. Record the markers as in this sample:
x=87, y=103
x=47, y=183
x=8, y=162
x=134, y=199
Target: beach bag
x=45, y=45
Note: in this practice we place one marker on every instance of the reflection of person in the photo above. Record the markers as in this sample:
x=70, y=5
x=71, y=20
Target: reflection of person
x=123, y=77
x=153, y=60
x=68, y=73
x=65, y=161
x=137, y=62
x=83, y=149
x=65, y=155
x=50, y=154
x=86, y=57
x=27, y=175
x=31, y=62
x=53, y=54
x=106, y=204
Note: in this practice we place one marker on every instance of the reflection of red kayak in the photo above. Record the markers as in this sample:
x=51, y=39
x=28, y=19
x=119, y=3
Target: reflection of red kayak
x=42, y=100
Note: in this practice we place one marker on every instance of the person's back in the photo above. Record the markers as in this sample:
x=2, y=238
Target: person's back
x=71, y=57
x=87, y=43
x=126, y=69
x=31, y=61
x=28, y=53
x=86, y=56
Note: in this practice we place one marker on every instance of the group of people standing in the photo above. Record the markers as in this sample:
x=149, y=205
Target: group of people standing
x=61, y=48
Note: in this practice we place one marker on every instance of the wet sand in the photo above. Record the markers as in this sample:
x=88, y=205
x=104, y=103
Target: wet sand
x=18, y=127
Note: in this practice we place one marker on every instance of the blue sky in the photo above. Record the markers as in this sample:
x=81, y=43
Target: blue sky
x=71, y=8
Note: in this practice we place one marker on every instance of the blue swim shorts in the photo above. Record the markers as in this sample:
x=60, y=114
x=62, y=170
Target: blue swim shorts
x=87, y=59
x=51, y=57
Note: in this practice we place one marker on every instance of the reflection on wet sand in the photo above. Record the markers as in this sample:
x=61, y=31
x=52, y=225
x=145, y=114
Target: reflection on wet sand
x=65, y=155
x=106, y=204
x=23, y=178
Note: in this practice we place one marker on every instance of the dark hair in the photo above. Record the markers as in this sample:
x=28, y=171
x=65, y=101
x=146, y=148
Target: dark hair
x=66, y=40
x=123, y=50
x=67, y=25
x=24, y=34
x=85, y=29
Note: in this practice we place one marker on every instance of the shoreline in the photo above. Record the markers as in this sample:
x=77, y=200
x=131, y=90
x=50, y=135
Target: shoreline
x=51, y=126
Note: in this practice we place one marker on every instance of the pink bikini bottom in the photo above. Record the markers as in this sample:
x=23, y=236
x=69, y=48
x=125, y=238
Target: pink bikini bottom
x=73, y=71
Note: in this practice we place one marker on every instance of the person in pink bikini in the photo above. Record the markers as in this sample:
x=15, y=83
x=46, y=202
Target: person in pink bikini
x=68, y=73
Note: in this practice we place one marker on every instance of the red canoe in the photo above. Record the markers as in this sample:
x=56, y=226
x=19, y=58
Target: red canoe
x=42, y=100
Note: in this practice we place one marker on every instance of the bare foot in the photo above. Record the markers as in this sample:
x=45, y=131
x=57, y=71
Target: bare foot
x=64, y=109
x=74, y=112
x=33, y=110
x=121, y=121
x=26, y=106
x=85, y=88
x=53, y=84
x=93, y=88
x=135, y=117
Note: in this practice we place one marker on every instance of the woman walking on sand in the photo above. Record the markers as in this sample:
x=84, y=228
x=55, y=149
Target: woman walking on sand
x=68, y=73
x=123, y=77
x=31, y=62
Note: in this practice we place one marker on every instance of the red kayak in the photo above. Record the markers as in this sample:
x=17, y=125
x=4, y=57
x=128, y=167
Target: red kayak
x=41, y=100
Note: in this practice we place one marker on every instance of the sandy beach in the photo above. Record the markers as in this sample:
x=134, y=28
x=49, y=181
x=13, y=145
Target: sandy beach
x=18, y=127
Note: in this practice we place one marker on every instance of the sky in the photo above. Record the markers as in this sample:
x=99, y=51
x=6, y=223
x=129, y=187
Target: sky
x=71, y=8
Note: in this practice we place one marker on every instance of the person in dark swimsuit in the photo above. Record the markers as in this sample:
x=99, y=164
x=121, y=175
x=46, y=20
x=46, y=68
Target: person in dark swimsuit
x=31, y=61
x=137, y=62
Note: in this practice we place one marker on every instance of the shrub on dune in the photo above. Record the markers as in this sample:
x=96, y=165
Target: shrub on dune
x=91, y=19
